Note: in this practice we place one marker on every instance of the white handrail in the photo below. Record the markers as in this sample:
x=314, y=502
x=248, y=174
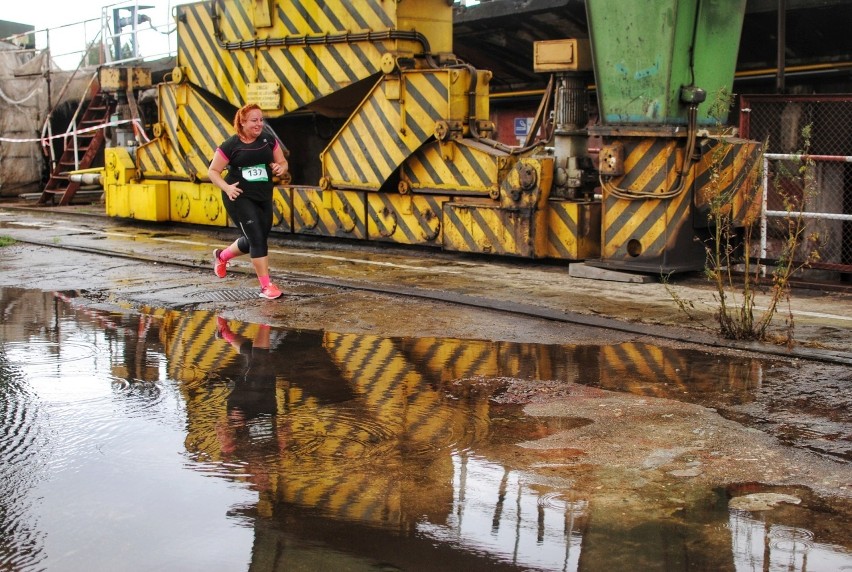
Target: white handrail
x=765, y=213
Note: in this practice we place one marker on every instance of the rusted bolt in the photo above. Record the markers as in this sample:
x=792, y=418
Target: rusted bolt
x=527, y=177
x=442, y=129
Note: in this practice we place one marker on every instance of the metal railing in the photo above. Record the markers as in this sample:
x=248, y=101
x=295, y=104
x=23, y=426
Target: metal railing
x=827, y=238
x=123, y=33
x=808, y=159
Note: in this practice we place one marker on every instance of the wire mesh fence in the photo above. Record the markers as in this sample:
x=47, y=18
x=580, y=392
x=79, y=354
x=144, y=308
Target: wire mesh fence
x=809, y=171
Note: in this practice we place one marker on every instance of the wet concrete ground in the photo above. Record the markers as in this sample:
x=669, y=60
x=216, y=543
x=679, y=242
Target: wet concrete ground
x=643, y=443
x=412, y=453
x=821, y=319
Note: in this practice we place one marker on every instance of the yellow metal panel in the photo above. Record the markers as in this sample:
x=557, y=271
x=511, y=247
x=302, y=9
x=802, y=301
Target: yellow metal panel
x=455, y=166
x=197, y=203
x=384, y=130
x=190, y=130
x=650, y=165
x=488, y=229
x=117, y=201
x=570, y=54
x=574, y=230
x=118, y=79
x=649, y=223
x=661, y=234
x=118, y=166
x=404, y=219
x=311, y=49
x=149, y=201
x=646, y=227
x=282, y=209
x=433, y=18
x=224, y=73
x=729, y=169
x=329, y=213
x=125, y=196
x=263, y=12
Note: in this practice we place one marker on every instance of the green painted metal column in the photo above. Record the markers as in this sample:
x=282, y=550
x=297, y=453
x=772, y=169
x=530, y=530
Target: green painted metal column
x=645, y=51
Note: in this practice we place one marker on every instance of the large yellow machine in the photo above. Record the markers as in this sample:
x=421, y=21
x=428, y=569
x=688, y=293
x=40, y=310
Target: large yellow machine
x=391, y=138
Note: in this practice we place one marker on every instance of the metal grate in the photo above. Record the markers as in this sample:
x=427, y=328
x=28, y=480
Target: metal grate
x=229, y=295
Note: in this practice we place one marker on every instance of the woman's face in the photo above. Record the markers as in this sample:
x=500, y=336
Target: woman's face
x=253, y=123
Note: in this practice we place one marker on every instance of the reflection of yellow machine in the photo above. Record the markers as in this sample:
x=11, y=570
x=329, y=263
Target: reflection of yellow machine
x=391, y=135
x=362, y=422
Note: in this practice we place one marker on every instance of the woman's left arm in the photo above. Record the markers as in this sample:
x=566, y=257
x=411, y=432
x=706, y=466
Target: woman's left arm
x=279, y=165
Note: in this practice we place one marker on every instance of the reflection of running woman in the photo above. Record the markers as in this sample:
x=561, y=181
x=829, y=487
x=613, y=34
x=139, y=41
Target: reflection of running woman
x=250, y=434
x=254, y=395
x=252, y=158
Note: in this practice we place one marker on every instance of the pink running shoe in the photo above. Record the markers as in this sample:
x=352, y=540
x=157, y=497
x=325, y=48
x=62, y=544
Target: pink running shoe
x=271, y=292
x=220, y=267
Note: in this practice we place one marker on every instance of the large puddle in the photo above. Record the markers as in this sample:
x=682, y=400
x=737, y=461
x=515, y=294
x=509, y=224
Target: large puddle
x=169, y=440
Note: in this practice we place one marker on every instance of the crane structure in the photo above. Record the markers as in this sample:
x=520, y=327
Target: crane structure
x=391, y=139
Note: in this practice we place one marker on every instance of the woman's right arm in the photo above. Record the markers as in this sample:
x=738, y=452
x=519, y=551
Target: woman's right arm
x=214, y=173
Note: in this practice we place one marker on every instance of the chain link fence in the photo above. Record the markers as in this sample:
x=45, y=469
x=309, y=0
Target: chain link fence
x=809, y=168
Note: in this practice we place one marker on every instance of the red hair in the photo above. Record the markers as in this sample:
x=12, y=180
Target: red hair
x=241, y=114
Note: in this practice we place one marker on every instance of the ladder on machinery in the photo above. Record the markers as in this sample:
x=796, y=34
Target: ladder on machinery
x=80, y=151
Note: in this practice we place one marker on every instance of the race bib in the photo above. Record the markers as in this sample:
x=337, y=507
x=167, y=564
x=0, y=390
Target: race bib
x=255, y=173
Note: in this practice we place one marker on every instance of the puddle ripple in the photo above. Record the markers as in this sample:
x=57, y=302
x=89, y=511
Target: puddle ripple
x=36, y=353
x=23, y=445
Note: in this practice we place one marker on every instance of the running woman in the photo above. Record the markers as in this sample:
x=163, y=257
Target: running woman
x=252, y=157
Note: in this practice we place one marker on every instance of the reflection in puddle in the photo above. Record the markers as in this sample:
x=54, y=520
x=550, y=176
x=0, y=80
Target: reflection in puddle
x=773, y=532
x=229, y=445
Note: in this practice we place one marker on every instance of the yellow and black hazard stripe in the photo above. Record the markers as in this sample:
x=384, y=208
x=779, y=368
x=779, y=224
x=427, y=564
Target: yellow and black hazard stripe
x=282, y=209
x=643, y=220
x=224, y=74
x=397, y=393
x=483, y=226
x=405, y=219
x=456, y=167
x=645, y=369
x=452, y=359
x=394, y=120
x=328, y=213
x=191, y=129
x=651, y=223
x=729, y=168
x=574, y=229
x=307, y=49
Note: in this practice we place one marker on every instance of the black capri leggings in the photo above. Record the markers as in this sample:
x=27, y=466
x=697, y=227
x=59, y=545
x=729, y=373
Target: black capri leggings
x=254, y=218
